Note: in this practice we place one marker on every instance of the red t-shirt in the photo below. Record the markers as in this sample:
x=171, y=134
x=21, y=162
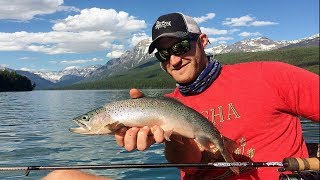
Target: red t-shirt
x=258, y=105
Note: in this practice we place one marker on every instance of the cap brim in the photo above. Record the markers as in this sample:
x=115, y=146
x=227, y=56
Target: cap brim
x=172, y=35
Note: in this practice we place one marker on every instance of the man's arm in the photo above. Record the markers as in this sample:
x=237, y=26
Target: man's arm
x=72, y=174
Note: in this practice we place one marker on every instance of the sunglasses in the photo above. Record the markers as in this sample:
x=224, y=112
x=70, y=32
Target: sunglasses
x=177, y=49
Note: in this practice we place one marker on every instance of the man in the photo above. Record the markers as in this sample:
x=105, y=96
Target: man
x=255, y=104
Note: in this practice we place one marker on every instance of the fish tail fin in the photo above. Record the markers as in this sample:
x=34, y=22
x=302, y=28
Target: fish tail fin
x=230, y=146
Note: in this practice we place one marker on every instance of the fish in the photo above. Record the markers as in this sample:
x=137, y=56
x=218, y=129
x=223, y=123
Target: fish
x=168, y=113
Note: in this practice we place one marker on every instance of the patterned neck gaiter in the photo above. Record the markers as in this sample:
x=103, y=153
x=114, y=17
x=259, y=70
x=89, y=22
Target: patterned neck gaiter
x=206, y=77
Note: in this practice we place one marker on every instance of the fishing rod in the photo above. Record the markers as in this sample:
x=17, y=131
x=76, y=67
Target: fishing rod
x=288, y=164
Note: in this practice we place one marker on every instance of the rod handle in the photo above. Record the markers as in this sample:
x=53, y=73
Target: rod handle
x=301, y=164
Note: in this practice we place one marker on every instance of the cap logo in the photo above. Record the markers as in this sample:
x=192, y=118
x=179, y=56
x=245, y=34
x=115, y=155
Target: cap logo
x=162, y=24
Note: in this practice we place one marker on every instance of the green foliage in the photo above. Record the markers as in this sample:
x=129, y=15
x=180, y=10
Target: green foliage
x=11, y=81
x=151, y=75
x=147, y=77
x=304, y=57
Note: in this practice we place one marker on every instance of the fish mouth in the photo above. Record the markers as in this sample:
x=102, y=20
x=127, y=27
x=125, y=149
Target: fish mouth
x=82, y=129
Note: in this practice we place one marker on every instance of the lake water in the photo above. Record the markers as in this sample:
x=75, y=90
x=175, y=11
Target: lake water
x=34, y=131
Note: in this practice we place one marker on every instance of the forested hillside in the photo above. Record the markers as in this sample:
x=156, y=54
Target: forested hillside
x=11, y=81
x=150, y=75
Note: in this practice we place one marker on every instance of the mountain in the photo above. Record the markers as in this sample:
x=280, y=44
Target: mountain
x=2, y=68
x=263, y=44
x=138, y=57
x=309, y=41
x=40, y=82
x=67, y=76
x=68, y=73
x=129, y=60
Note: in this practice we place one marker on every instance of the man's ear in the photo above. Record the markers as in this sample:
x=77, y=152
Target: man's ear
x=204, y=40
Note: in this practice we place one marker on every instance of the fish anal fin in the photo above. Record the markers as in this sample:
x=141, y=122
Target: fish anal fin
x=167, y=134
x=203, y=143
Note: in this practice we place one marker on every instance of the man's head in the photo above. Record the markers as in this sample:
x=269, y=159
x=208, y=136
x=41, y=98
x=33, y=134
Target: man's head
x=180, y=45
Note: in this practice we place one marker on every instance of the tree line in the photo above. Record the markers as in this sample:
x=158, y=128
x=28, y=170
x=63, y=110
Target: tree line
x=11, y=81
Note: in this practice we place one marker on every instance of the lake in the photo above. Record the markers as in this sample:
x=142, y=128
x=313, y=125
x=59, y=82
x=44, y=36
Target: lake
x=34, y=131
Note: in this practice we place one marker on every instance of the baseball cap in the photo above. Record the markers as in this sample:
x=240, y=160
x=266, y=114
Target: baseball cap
x=176, y=25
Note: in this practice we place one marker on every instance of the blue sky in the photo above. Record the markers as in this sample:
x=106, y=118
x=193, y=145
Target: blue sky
x=50, y=35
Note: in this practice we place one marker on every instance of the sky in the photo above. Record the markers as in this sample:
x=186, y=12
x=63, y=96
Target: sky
x=50, y=35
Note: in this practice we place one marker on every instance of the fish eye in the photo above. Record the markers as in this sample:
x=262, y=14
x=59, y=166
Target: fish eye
x=85, y=117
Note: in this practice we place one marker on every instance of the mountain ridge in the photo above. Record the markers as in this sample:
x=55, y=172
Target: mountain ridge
x=138, y=56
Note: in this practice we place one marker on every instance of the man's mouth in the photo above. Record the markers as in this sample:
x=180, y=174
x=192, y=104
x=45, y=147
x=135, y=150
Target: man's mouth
x=180, y=67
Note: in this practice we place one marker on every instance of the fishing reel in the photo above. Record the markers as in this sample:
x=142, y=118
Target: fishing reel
x=302, y=169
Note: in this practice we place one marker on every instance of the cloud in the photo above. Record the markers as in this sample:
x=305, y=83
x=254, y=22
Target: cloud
x=246, y=21
x=94, y=19
x=136, y=38
x=263, y=23
x=213, y=31
x=55, y=42
x=90, y=31
x=80, y=61
x=26, y=58
x=24, y=10
x=204, y=18
x=115, y=54
x=220, y=39
x=25, y=69
x=246, y=34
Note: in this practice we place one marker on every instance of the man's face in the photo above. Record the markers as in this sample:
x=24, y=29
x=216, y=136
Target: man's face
x=185, y=68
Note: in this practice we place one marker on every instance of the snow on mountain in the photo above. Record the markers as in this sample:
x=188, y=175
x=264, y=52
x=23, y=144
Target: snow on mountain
x=56, y=76
x=139, y=55
x=262, y=44
x=130, y=59
x=2, y=68
x=216, y=49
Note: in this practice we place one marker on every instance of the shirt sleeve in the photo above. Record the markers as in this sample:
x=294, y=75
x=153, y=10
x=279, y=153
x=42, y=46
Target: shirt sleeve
x=298, y=88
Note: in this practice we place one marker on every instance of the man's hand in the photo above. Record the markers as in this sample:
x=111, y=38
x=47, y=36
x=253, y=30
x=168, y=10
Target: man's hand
x=140, y=138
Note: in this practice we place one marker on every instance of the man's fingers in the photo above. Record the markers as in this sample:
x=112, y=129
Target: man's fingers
x=140, y=138
x=158, y=134
x=144, y=141
x=130, y=139
x=119, y=136
x=135, y=93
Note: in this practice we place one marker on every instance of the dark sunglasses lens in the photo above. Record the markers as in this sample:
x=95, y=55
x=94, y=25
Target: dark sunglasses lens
x=164, y=54
x=181, y=47
x=160, y=57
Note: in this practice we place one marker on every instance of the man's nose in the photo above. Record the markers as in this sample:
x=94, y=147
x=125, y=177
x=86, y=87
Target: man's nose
x=174, y=60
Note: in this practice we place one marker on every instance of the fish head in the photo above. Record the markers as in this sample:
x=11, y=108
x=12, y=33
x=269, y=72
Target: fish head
x=95, y=122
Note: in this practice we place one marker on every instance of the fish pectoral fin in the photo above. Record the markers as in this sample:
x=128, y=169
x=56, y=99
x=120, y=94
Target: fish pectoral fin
x=167, y=134
x=113, y=126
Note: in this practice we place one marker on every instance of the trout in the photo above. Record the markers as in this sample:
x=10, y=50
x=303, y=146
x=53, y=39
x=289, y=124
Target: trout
x=171, y=115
